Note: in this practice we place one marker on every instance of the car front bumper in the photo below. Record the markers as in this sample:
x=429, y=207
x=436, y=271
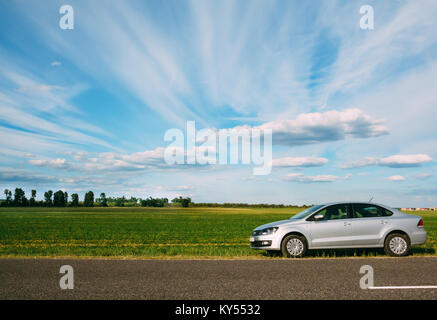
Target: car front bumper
x=267, y=242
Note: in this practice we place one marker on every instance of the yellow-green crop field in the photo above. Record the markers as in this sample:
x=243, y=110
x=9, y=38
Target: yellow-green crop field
x=155, y=233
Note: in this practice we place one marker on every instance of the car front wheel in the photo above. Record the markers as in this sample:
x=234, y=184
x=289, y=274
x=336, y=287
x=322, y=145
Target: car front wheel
x=397, y=245
x=294, y=246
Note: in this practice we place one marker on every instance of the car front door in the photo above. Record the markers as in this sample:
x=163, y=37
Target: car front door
x=368, y=224
x=333, y=230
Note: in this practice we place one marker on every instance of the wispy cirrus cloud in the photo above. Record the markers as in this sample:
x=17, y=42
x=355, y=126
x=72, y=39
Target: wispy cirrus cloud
x=42, y=114
x=12, y=175
x=366, y=58
x=105, y=161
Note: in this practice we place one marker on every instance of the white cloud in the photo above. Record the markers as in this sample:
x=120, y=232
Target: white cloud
x=107, y=161
x=36, y=88
x=251, y=178
x=29, y=155
x=394, y=161
x=55, y=64
x=299, y=162
x=362, y=174
x=423, y=176
x=409, y=160
x=299, y=177
x=310, y=128
x=54, y=164
x=174, y=188
x=129, y=162
x=396, y=178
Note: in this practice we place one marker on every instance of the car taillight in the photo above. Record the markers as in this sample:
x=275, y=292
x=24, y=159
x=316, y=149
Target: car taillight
x=420, y=224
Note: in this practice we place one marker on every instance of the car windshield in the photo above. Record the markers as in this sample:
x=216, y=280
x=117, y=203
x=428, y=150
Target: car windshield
x=307, y=212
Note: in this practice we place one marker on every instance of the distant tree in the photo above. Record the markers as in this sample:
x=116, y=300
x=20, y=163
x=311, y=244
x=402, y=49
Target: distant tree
x=89, y=199
x=58, y=199
x=119, y=202
x=66, y=198
x=8, y=194
x=19, y=197
x=184, y=202
x=103, y=200
x=74, y=200
x=32, y=201
x=154, y=202
x=48, y=197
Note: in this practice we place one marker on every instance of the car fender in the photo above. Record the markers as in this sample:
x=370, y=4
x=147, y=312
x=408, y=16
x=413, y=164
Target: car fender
x=299, y=228
x=385, y=232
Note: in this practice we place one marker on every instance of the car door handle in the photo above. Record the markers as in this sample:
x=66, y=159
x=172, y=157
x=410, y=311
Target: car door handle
x=384, y=222
x=347, y=224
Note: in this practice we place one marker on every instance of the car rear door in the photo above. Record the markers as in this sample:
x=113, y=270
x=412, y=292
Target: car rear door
x=333, y=230
x=368, y=224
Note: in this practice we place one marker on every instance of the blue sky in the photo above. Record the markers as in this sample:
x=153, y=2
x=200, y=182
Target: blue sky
x=352, y=110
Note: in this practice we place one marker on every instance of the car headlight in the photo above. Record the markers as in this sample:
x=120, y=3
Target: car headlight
x=264, y=232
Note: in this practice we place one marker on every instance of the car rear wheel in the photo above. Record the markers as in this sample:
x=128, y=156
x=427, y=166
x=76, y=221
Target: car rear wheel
x=294, y=246
x=397, y=245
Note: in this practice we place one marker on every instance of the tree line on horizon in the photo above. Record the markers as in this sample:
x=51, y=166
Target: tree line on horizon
x=60, y=199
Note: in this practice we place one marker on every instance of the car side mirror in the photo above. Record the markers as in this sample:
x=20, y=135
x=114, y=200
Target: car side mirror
x=318, y=217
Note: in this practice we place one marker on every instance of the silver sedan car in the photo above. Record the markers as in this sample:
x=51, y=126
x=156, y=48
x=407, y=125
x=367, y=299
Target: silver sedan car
x=342, y=225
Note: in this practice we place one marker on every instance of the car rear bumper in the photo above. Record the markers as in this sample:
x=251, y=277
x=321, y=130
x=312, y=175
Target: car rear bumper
x=418, y=237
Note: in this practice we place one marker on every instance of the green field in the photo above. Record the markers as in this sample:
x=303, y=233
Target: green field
x=154, y=232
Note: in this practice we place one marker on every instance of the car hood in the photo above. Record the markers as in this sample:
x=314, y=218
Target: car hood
x=277, y=223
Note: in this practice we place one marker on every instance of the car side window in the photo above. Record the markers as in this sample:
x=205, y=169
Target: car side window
x=334, y=212
x=386, y=213
x=362, y=210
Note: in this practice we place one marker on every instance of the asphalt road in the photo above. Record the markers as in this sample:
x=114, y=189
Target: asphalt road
x=217, y=279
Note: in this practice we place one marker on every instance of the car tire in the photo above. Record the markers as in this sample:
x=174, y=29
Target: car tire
x=397, y=245
x=294, y=246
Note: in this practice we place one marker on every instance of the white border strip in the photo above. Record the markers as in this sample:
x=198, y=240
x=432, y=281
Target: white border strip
x=404, y=287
